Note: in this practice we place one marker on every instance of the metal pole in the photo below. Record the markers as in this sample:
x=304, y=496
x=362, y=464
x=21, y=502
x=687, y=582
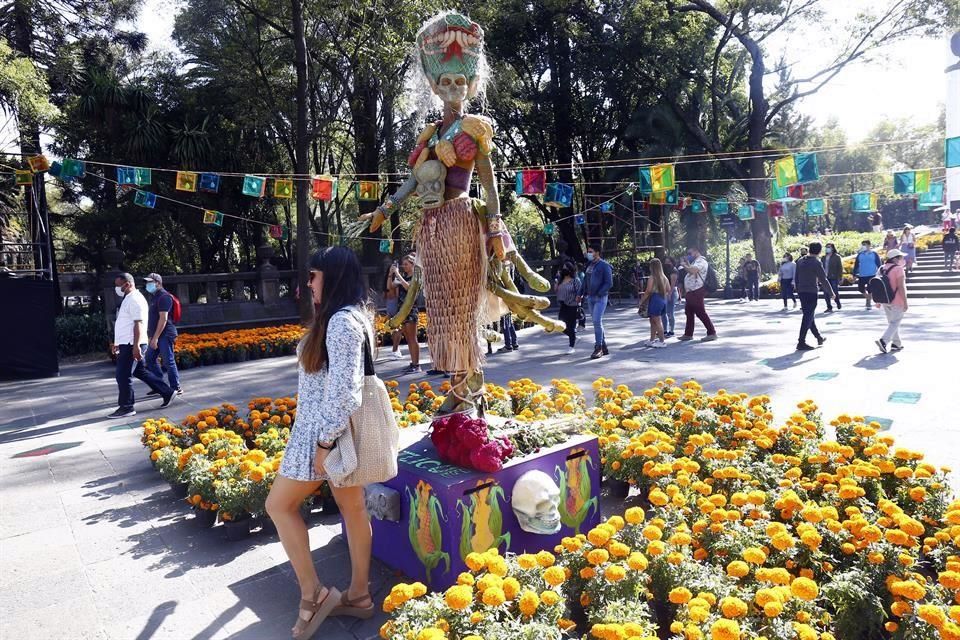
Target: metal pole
x=727, y=289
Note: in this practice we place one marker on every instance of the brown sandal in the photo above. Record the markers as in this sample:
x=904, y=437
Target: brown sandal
x=320, y=610
x=348, y=607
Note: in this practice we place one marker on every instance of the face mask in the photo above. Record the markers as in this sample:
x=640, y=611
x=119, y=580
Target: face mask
x=829, y=250
x=690, y=257
x=151, y=287
x=590, y=257
x=864, y=247
x=119, y=292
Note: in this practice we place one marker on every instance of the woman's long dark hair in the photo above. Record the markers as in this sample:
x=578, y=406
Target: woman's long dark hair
x=342, y=287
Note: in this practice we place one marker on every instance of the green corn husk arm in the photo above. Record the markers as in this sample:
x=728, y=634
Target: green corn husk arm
x=565, y=516
x=416, y=283
x=414, y=525
x=496, y=517
x=512, y=297
x=582, y=514
x=436, y=513
x=466, y=527
x=531, y=277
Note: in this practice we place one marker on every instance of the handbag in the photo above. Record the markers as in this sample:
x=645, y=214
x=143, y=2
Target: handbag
x=367, y=451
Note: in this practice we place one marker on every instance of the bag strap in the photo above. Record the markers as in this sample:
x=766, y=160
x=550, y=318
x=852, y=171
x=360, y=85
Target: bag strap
x=368, y=368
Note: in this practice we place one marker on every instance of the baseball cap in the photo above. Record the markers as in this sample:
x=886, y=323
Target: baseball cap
x=155, y=277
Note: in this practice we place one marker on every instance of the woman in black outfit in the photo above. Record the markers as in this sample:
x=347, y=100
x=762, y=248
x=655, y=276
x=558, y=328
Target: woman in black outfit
x=568, y=289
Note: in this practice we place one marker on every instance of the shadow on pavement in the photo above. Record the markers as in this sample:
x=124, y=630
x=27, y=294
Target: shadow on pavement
x=877, y=361
x=789, y=361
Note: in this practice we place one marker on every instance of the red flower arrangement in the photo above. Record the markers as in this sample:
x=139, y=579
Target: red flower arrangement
x=466, y=442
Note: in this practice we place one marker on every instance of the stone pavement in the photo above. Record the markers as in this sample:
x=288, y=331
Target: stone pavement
x=94, y=545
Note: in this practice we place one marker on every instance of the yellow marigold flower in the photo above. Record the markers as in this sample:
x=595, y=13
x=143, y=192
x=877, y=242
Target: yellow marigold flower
x=772, y=609
x=431, y=633
x=652, y=532
x=529, y=601
x=587, y=572
x=754, y=555
x=733, y=607
x=554, y=576
x=724, y=629
x=596, y=557
x=680, y=595
x=511, y=587
x=549, y=598
x=910, y=589
x=475, y=561
x=476, y=617
x=932, y=614
x=545, y=559
x=494, y=597
x=615, y=573
x=459, y=597
x=738, y=569
x=637, y=561
x=951, y=580
x=465, y=578
x=804, y=589
x=598, y=536
x=527, y=561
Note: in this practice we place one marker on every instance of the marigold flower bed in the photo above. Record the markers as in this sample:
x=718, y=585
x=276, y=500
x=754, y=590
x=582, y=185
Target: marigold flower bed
x=744, y=528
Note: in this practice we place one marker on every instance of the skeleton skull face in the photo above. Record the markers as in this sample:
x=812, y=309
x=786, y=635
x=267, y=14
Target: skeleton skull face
x=536, y=501
x=430, y=176
x=454, y=88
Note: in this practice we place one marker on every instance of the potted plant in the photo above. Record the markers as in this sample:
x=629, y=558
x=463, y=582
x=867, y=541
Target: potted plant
x=232, y=491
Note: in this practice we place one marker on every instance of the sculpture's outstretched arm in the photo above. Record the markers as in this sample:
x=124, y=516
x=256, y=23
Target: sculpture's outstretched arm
x=416, y=283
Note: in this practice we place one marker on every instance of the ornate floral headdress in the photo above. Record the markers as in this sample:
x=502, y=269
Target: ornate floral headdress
x=450, y=43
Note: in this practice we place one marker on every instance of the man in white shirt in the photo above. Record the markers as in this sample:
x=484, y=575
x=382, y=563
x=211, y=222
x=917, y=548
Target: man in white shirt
x=129, y=346
x=696, y=268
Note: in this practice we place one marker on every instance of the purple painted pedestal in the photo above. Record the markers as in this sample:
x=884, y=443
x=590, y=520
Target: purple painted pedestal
x=448, y=511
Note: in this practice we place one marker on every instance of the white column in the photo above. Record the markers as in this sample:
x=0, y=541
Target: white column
x=953, y=118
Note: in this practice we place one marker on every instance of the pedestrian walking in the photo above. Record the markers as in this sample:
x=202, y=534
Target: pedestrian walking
x=697, y=270
x=162, y=333
x=908, y=246
x=403, y=278
x=890, y=241
x=950, y=245
x=786, y=275
x=865, y=266
x=655, y=297
x=130, y=346
x=833, y=266
x=599, y=280
x=893, y=299
x=751, y=273
x=568, y=290
x=509, y=331
x=391, y=299
x=740, y=278
x=332, y=360
x=876, y=222
x=810, y=274
x=949, y=219
x=668, y=319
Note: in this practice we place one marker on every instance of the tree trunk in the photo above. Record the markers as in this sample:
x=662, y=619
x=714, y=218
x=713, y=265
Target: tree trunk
x=363, y=109
x=302, y=147
x=757, y=188
x=561, y=81
x=390, y=152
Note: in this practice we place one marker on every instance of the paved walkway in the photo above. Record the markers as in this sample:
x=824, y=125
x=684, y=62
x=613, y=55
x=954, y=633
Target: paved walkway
x=94, y=545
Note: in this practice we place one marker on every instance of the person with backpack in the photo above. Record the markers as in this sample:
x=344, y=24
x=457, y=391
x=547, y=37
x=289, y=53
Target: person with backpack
x=951, y=243
x=833, y=265
x=699, y=280
x=865, y=267
x=810, y=277
x=162, y=319
x=889, y=292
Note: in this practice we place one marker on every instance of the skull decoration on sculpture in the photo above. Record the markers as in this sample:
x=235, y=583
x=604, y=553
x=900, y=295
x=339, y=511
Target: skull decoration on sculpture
x=430, y=177
x=536, y=503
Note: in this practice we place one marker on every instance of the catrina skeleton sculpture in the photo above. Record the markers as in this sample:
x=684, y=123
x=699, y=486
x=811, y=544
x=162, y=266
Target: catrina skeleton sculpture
x=462, y=243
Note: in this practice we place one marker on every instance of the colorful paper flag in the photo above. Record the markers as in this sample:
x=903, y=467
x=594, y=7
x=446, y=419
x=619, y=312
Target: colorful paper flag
x=698, y=206
x=254, y=186
x=864, y=202
x=795, y=192
x=817, y=207
x=785, y=171
x=661, y=177
x=276, y=231
x=904, y=182
x=776, y=191
x=531, y=182
x=186, y=181
x=126, y=176
x=210, y=182
x=282, y=188
x=38, y=163
x=367, y=190
x=212, y=217
x=321, y=188
x=579, y=219
x=646, y=181
x=145, y=199
x=142, y=176
x=56, y=169
x=921, y=181
x=951, y=152
x=24, y=177
x=760, y=206
x=775, y=210
x=548, y=229
x=933, y=197
x=559, y=195
x=606, y=207
x=807, y=168
x=72, y=168
x=386, y=246
x=720, y=207
x=745, y=212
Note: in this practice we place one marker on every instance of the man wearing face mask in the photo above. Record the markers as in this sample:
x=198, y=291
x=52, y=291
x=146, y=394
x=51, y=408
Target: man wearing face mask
x=162, y=332
x=129, y=344
x=694, y=282
x=864, y=268
x=599, y=280
x=833, y=266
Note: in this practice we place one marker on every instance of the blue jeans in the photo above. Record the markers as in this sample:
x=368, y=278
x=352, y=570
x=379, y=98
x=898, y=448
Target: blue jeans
x=667, y=317
x=165, y=351
x=129, y=368
x=509, y=331
x=598, y=304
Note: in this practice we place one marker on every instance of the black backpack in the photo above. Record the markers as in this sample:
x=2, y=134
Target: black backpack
x=880, y=289
x=711, y=283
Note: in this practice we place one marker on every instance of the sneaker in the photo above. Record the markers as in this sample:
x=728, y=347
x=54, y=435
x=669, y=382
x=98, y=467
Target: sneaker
x=516, y=347
x=821, y=340
x=685, y=338
x=396, y=355
x=434, y=372
x=179, y=391
x=412, y=368
x=804, y=347
x=645, y=343
x=882, y=345
x=838, y=306
x=571, y=351
x=122, y=413
x=597, y=352
x=668, y=334
x=829, y=310
x=658, y=344
x=503, y=349
x=896, y=347
x=167, y=400
x=709, y=338
x=152, y=393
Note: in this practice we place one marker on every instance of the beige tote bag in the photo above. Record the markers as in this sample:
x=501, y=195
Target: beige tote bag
x=367, y=451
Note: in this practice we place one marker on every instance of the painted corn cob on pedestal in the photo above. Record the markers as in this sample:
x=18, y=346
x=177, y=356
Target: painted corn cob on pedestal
x=447, y=511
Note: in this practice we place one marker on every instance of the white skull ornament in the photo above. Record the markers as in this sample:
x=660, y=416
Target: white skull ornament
x=431, y=176
x=536, y=503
